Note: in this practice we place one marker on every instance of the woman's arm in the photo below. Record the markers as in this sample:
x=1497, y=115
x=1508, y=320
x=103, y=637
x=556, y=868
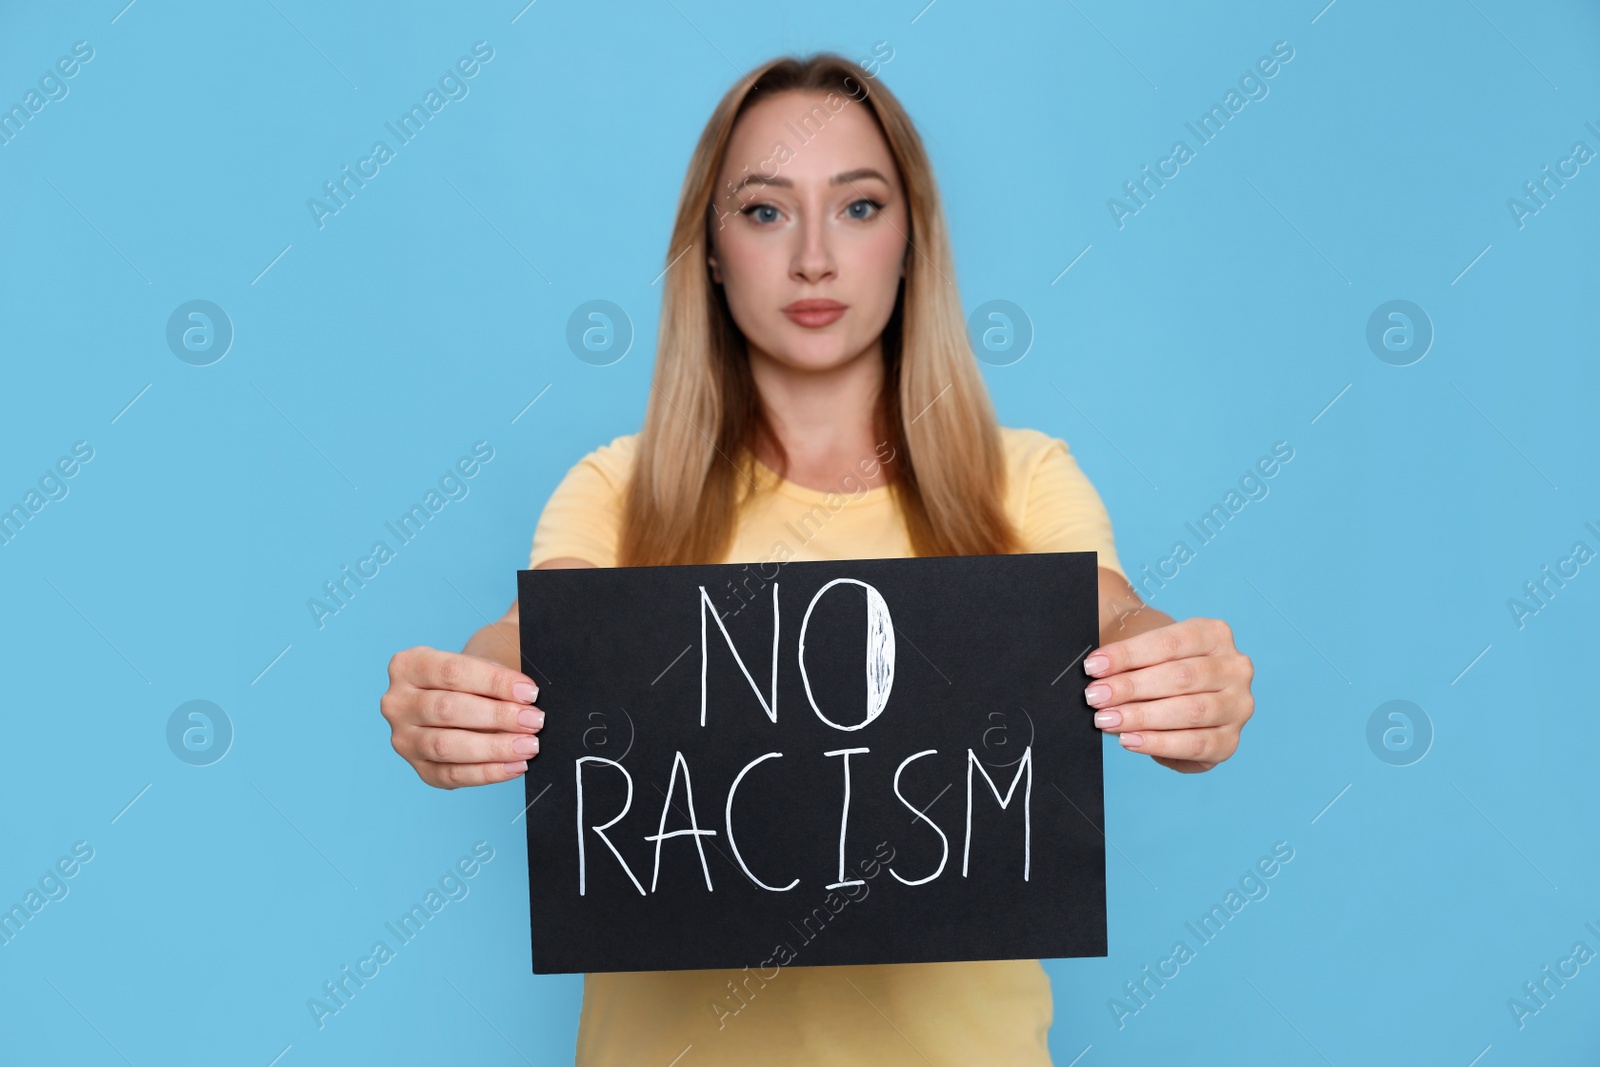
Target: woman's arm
x=1176, y=691
x=501, y=641
x=1122, y=613
x=498, y=642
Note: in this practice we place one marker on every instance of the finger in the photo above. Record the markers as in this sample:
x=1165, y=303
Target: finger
x=455, y=775
x=432, y=668
x=1187, y=712
x=1196, y=674
x=464, y=711
x=1211, y=744
x=469, y=746
x=1184, y=766
x=1190, y=637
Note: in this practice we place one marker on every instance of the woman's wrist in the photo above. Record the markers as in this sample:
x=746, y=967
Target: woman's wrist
x=499, y=642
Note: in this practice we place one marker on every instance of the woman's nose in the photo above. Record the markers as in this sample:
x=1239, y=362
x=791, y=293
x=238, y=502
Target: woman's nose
x=814, y=257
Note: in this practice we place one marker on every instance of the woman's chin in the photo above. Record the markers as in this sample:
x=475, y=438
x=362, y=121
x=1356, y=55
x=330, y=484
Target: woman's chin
x=814, y=355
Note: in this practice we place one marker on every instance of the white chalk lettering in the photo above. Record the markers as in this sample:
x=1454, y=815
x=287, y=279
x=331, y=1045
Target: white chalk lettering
x=601, y=830
x=728, y=821
x=1024, y=765
x=844, y=816
x=880, y=652
x=694, y=830
x=943, y=840
x=771, y=708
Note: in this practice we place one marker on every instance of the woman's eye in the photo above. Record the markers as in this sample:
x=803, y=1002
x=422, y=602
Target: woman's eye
x=861, y=210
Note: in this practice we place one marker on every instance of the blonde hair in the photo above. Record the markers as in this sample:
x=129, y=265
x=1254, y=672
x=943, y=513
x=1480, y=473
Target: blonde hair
x=704, y=415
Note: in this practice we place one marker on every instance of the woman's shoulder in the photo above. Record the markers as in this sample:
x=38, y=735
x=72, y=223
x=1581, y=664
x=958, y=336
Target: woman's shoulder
x=581, y=518
x=1055, y=505
x=620, y=449
x=1026, y=448
x=1040, y=465
x=612, y=460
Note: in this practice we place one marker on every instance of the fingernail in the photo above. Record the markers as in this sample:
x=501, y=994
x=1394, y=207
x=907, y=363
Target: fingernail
x=1097, y=694
x=516, y=768
x=1131, y=740
x=525, y=746
x=524, y=692
x=532, y=718
x=1096, y=663
x=1104, y=719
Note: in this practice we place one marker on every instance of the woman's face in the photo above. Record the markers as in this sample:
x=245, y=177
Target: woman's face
x=822, y=219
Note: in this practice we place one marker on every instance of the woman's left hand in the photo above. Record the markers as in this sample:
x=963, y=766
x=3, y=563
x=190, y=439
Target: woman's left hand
x=1179, y=693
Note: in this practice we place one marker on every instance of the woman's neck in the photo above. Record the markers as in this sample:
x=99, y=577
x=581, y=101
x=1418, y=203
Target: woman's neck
x=826, y=420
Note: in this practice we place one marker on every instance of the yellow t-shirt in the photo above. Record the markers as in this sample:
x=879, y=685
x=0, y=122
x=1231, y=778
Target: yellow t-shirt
x=990, y=1012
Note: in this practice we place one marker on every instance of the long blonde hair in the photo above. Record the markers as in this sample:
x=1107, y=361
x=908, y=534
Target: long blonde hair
x=704, y=415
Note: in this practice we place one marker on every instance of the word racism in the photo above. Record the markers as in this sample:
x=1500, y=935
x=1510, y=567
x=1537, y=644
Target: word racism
x=814, y=122
x=340, y=593
x=1540, y=192
x=1539, y=994
x=340, y=192
x=880, y=655
x=15, y=118
x=810, y=928
x=338, y=992
x=1253, y=87
x=51, y=887
x=1252, y=887
x=1541, y=592
x=1251, y=487
x=52, y=486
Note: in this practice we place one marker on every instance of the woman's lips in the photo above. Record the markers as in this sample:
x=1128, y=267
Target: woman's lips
x=815, y=313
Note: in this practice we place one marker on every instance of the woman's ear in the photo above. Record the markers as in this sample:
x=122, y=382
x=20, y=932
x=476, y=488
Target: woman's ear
x=716, y=273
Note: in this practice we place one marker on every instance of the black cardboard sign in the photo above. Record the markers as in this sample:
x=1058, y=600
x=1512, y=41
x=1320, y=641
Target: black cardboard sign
x=732, y=753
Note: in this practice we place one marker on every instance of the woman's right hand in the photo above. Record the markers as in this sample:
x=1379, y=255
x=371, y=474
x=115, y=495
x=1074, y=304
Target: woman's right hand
x=459, y=719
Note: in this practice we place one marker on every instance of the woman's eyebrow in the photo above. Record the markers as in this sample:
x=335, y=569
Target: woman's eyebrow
x=842, y=178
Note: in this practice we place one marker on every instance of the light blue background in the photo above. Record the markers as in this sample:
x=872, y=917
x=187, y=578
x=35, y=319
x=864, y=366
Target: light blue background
x=1225, y=316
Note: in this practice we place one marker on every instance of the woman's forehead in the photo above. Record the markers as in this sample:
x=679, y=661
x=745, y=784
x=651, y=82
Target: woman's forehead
x=807, y=138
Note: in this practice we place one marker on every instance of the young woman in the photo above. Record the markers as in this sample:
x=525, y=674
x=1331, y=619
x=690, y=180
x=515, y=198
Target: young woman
x=812, y=341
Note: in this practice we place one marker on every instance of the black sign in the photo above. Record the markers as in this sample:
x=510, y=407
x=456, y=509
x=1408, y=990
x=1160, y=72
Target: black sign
x=733, y=753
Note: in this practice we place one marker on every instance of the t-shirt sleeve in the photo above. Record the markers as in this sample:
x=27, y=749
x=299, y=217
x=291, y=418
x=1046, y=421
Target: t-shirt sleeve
x=583, y=516
x=1063, y=512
